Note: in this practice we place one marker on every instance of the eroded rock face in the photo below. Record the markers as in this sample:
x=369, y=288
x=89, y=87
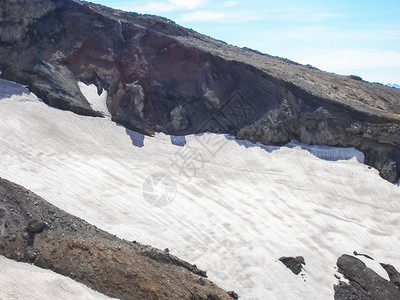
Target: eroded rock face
x=34, y=231
x=162, y=77
x=364, y=283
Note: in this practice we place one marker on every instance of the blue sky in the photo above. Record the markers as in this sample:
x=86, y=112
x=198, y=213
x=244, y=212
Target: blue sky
x=341, y=36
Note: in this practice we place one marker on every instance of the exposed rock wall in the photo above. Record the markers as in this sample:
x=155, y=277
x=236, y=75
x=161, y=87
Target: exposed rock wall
x=162, y=77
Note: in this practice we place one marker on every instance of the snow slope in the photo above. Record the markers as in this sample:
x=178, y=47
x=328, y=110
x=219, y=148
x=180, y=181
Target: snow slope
x=26, y=282
x=229, y=206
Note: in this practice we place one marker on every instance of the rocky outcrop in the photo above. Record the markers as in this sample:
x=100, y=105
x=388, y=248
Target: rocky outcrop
x=34, y=231
x=162, y=77
x=294, y=264
x=394, y=275
x=364, y=283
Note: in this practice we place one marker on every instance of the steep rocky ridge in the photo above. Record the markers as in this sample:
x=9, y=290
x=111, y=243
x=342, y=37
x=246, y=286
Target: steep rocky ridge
x=162, y=77
x=34, y=231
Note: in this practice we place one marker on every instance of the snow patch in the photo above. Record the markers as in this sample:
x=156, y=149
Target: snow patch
x=24, y=281
x=324, y=152
x=242, y=210
x=330, y=153
x=96, y=101
x=341, y=278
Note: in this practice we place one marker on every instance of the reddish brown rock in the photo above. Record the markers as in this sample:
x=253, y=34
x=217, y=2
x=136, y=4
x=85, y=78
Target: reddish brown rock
x=34, y=231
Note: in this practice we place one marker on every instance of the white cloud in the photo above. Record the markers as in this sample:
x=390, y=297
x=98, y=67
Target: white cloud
x=321, y=33
x=203, y=16
x=165, y=6
x=188, y=4
x=236, y=15
x=299, y=14
x=230, y=3
x=218, y=16
x=350, y=59
x=156, y=7
x=382, y=75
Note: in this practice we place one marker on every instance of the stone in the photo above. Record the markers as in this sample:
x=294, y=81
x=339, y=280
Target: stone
x=2, y=213
x=179, y=120
x=389, y=171
x=233, y=295
x=294, y=264
x=394, y=275
x=36, y=226
x=200, y=281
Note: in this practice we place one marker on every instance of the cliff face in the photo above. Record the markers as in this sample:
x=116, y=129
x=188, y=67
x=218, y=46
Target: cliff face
x=162, y=77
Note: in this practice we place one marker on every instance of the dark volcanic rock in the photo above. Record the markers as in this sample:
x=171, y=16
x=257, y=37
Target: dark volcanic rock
x=36, y=226
x=394, y=275
x=389, y=171
x=162, y=77
x=344, y=291
x=364, y=283
x=233, y=295
x=294, y=264
x=74, y=248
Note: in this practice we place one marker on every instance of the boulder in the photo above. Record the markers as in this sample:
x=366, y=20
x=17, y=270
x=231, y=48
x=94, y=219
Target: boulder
x=364, y=283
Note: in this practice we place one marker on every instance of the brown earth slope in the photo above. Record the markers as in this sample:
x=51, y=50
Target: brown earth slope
x=163, y=77
x=34, y=231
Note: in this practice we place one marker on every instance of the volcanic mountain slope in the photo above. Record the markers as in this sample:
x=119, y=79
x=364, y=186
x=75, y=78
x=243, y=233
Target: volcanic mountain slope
x=235, y=207
x=160, y=77
x=34, y=231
